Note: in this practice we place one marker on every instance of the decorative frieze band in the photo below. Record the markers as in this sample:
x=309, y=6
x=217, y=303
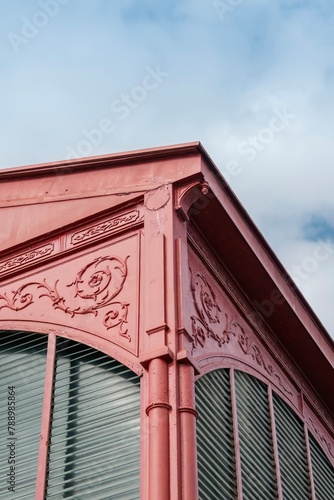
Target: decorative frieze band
x=71, y=240
x=106, y=227
x=26, y=258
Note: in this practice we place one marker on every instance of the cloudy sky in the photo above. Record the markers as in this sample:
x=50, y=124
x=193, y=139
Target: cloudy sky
x=251, y=79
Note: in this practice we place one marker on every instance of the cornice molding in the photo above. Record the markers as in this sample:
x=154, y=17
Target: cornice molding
x=105, y=161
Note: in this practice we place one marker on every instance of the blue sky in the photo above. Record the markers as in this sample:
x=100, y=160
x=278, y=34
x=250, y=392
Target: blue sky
x=251, y=79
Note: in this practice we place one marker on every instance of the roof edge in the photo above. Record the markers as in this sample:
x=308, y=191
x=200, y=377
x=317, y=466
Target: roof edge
x=91, y=162
x=161, y=153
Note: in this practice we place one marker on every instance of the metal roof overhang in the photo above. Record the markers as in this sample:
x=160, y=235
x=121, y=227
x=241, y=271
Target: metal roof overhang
x=226, y=226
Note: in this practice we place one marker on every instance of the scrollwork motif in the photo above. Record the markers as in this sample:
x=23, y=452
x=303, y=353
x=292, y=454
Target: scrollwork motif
x=253, y=350
x=100, y=281
x=205, y=299
x=23, y=298
x=95, y=286
x=250, y=348
x=322, y=438
x=118, y=316
x=201, y=332
x=208, y=322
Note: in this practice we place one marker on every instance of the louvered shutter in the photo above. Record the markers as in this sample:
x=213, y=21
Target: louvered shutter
x=216, y=463
x=292, y=452
x=22, y=364
x=323, y=472
x=255, y=434
x=94, y=442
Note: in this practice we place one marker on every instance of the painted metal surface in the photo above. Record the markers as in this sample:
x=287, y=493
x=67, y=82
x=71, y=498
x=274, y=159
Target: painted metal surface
x=46, y=413
x=149, y=257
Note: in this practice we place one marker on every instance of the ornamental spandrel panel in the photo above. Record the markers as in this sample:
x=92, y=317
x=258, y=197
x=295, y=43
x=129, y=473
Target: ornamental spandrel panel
x=91, y=291
x=217, y=330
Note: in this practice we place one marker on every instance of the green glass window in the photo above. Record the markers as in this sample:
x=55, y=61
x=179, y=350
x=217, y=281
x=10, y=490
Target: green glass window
x=216, y=467
x=94, y=442
x=22, y=366
x=93, y=446
x=323, y=472
x=264, y=422
x=292, y=452
x=255, y=433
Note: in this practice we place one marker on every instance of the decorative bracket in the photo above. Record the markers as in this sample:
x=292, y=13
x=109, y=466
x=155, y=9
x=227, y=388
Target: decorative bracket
x=192, y=199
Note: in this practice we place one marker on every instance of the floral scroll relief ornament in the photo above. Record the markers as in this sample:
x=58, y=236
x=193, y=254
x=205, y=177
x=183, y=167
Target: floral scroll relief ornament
x=209, y=321
x=250, y=348
x=117, y=316
x=322, y=438
x=95, y=286
x=253, y=350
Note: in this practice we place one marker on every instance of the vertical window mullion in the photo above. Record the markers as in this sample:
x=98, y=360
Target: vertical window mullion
x=274, y=436
x=236, y=436
x=309, y=461
x=46, y=418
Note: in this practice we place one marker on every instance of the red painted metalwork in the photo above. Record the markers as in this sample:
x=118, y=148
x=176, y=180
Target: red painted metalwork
x=158, y=413
x=309, y=463
x=149, y=257
x=46, y=418
x=275, y=447
x=236, y=436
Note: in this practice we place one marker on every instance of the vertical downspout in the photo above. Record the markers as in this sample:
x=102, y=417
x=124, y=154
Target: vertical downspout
x=158, y=413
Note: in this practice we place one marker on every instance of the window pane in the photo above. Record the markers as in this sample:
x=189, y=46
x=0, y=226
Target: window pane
x=323, y=472
x=94, y=444
x=292, y=452
x=256, y=447
x=22, y=365
x=215, y=442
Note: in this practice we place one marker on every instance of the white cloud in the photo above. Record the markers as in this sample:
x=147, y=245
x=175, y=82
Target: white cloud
x=226, y=78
